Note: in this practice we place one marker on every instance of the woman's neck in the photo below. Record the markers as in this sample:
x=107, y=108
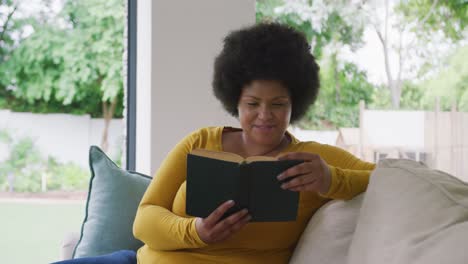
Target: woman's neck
x=249, y=149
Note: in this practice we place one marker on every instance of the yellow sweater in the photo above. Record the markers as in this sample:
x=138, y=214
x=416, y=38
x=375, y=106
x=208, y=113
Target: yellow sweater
x=170, y=235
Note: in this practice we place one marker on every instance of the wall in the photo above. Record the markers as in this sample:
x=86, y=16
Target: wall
x=68, y=137
x=441, y=136
x=63, y=136
x=177, y=42
x=447, y=141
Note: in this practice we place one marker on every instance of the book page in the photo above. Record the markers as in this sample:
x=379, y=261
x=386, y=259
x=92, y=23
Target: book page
x=229, y=156
x=221, y=155
x=260, y=158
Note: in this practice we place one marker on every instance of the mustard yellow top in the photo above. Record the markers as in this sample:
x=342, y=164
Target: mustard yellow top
x=170, y=235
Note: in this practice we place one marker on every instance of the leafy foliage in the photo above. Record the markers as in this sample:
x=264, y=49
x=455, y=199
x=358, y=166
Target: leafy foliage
x=22, y=167
x=12, y=27
x=450, y=84
x=339, y=107
x=25, y=166
x=321, y=25
x=66, y=177
x=71, y=62
x=342, y=83
x=74, y=59
x=332, y=26
x=451, y=17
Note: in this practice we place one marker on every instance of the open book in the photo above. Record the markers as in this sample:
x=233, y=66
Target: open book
x=215, y=177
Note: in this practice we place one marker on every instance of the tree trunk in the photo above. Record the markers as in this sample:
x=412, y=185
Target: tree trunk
x=5, y=25
x=395, y=90
x=108, y=112
x=393, y=85
x=337, y=80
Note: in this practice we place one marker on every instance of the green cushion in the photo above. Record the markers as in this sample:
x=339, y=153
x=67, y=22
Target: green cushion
x=113, y=198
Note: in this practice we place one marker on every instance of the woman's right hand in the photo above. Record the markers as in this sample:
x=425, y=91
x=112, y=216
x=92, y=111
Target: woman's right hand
x=212, y=229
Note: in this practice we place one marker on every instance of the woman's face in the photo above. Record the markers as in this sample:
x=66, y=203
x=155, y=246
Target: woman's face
x=264, y=111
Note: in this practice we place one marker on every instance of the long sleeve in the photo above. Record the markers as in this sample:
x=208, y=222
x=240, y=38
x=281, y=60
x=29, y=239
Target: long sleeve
x=349, y=175
x=170, y=235
x=155, y=223
x=347, y=183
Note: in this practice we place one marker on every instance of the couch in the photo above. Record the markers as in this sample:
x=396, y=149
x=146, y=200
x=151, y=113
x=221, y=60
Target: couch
x=409, y=214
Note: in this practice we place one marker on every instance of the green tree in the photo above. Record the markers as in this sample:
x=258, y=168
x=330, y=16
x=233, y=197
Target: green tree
x=16, y=24
x=329, y=28
x=450, y=84
x=411, y=28
x=22, y=167
x=333, y=25
x=449, y=16
x=415, y=34
x=72, y=59
x=10, y=25
x=6, y=25
x=333, y=110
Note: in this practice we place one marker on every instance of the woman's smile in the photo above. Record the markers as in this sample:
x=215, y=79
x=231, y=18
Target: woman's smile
x=264, y=128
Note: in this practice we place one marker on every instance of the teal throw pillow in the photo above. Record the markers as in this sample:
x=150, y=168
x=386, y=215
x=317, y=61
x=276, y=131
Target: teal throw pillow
x=113, y=198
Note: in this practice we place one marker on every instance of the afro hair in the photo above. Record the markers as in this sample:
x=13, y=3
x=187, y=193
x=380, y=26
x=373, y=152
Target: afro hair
x=266, y=51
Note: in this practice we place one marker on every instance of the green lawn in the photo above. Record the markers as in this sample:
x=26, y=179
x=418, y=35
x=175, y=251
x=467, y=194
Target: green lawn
x=31, y=232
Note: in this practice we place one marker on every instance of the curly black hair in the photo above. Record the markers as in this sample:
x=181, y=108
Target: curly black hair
x=266, y=51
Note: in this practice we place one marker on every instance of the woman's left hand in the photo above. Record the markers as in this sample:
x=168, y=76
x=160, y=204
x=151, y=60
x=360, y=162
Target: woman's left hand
x=311, y=175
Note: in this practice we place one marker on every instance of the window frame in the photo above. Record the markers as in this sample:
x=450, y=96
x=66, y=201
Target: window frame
x=131, y=85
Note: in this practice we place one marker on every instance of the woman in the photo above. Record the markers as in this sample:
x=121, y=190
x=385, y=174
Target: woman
x=265, y=76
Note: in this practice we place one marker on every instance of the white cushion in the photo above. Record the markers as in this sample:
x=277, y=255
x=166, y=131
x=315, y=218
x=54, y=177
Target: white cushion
x=328, y=234
x=411, y=214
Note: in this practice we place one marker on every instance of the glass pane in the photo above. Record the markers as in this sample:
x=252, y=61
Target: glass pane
x=391, y=86
x=61, y=91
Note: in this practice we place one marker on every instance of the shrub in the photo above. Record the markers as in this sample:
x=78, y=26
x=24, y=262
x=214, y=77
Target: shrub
x=25, y=167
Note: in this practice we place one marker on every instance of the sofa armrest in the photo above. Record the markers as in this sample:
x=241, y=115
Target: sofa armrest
x=68, y=245
x=328, y=234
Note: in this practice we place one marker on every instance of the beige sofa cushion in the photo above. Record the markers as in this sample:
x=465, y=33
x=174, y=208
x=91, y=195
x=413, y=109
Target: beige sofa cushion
x=328, y=234
x=411, y=214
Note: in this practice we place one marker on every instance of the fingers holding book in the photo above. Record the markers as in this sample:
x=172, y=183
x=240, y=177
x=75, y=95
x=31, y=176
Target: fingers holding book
x=311, y=175
x=215, y=228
